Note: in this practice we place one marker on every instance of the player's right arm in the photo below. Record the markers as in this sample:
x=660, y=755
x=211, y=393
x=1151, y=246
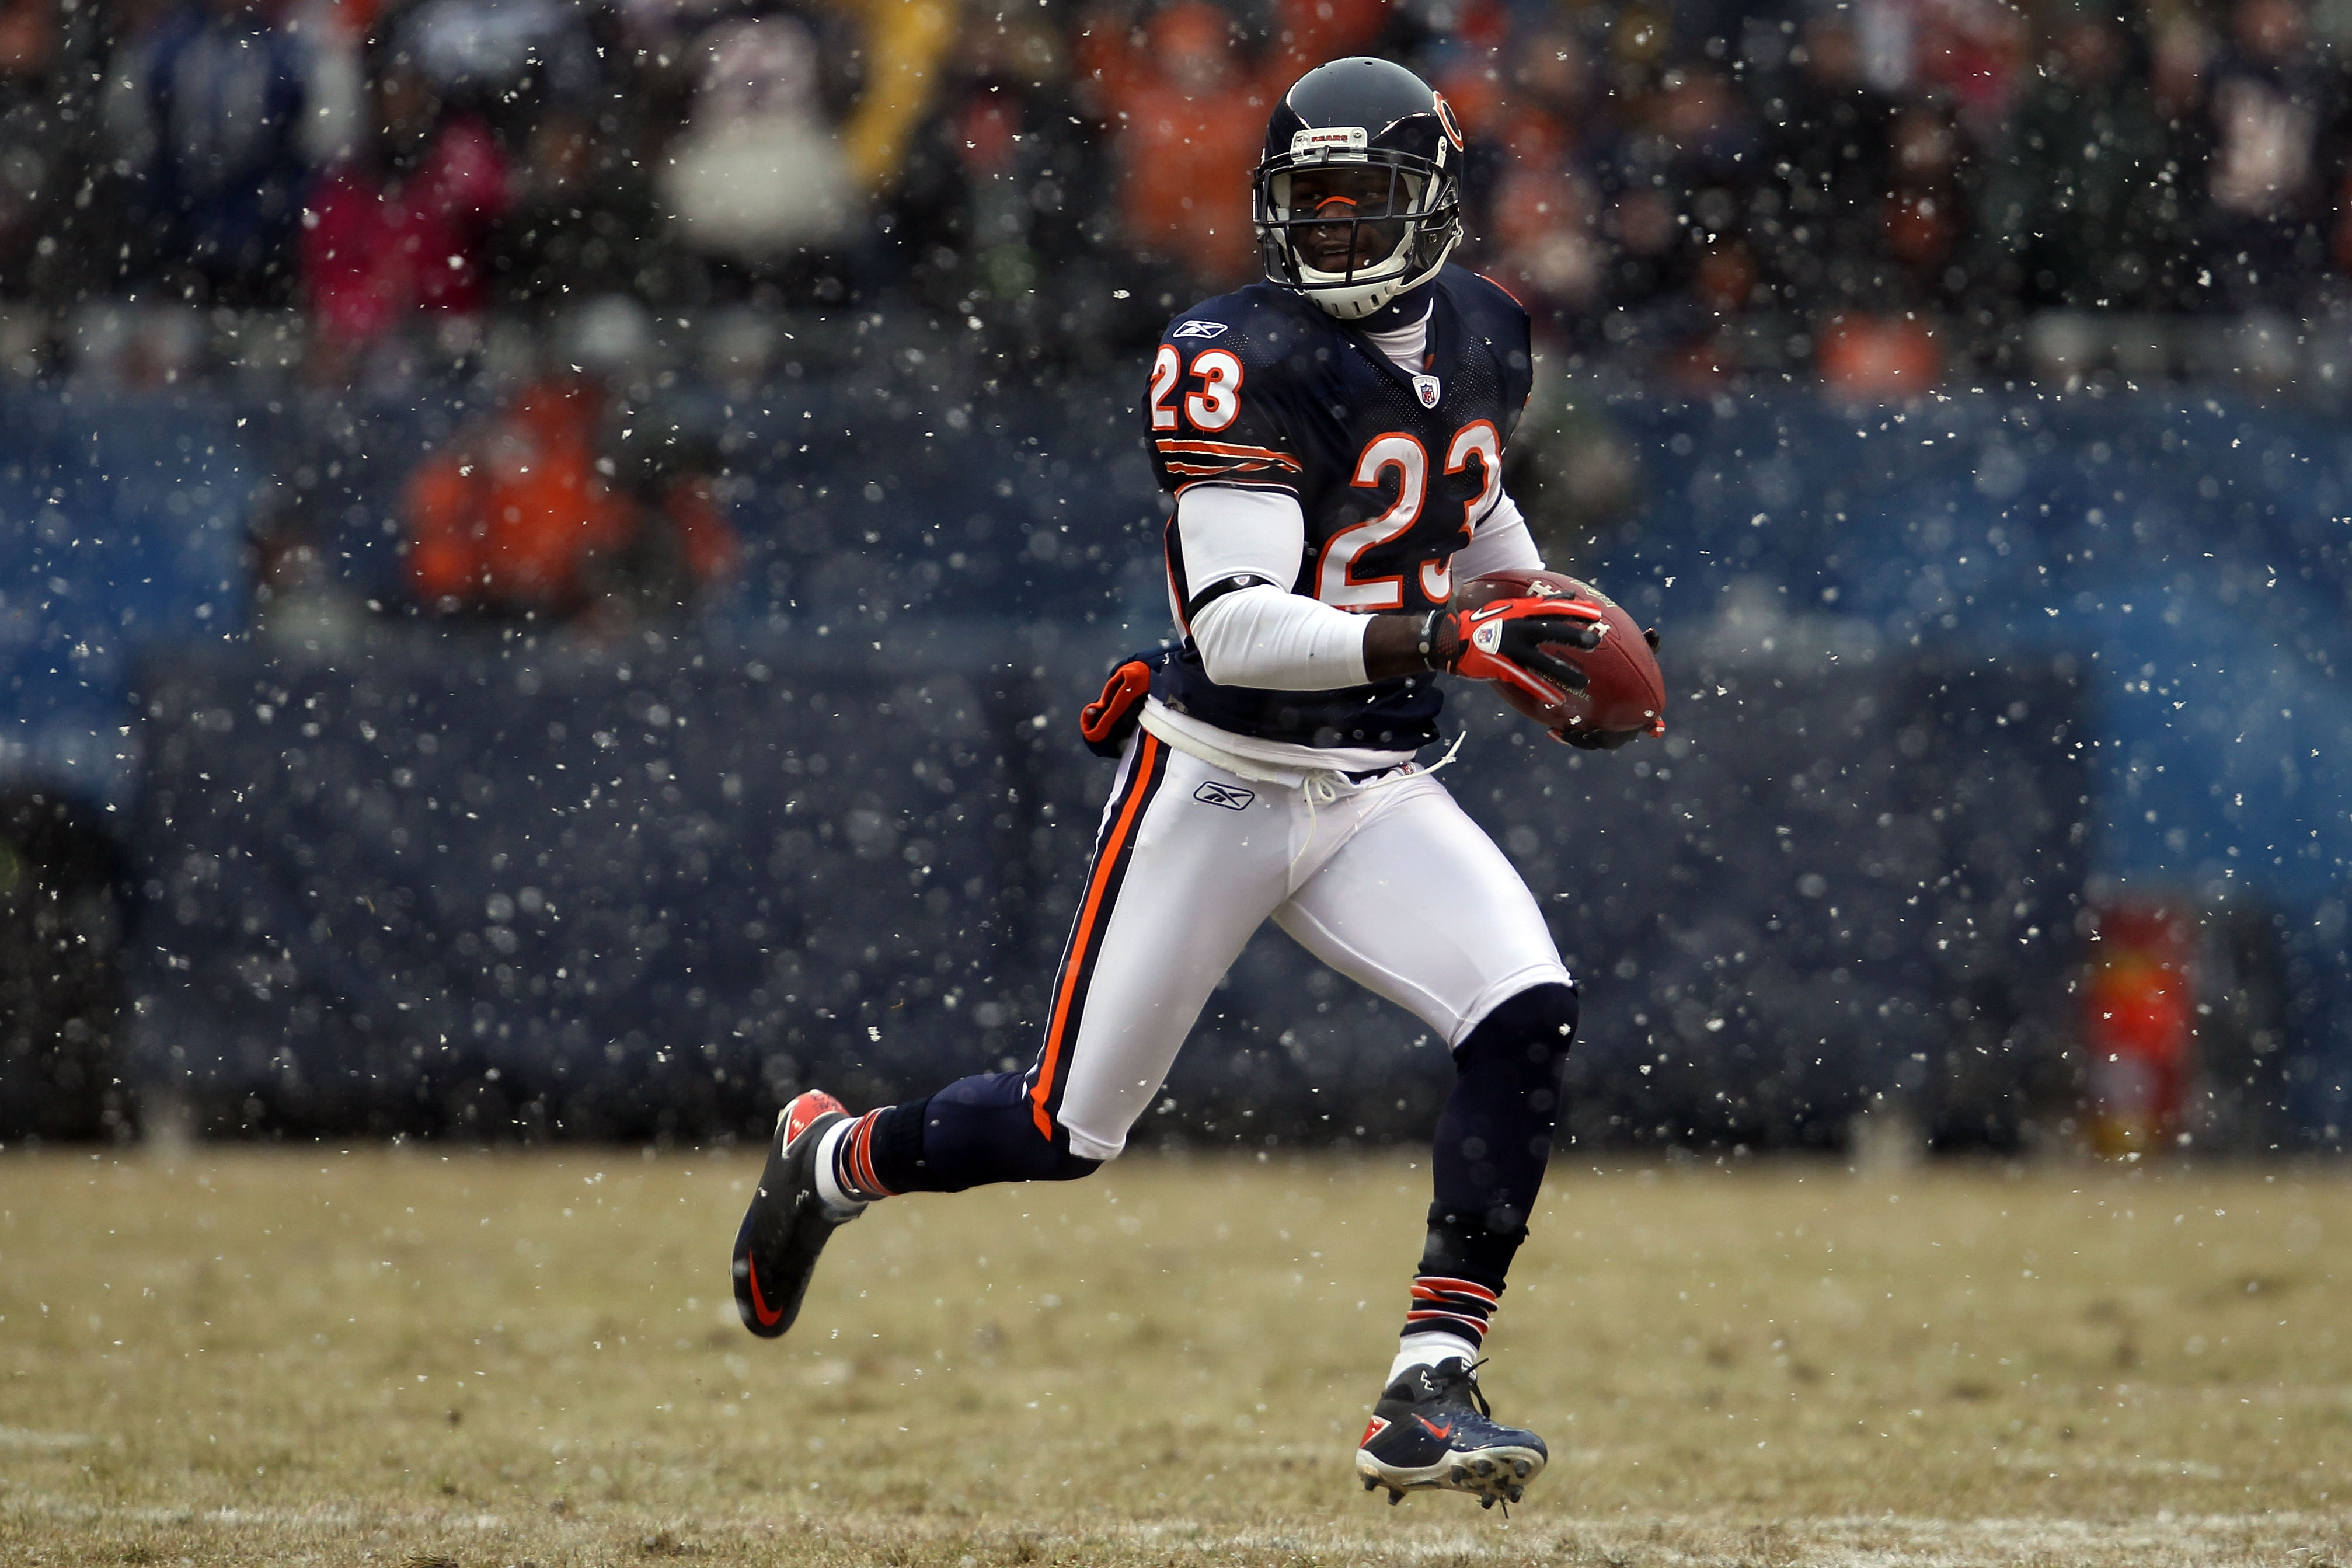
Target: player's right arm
x=1252, y=631
x=1222, y=441
x=1241, y=550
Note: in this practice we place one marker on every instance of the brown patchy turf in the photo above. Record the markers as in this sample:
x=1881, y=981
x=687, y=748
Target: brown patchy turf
x=409, y=1357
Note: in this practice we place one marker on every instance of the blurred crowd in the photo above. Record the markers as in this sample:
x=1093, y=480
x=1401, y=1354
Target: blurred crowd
x=1872, y=190
x=546, y=198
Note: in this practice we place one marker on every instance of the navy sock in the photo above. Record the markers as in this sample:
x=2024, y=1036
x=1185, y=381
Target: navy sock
x=1493, y=1139
x=975, y=1131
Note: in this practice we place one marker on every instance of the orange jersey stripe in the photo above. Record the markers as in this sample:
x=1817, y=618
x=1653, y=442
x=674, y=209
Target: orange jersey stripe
x=1233, y=467
x=1514, y=298
x=1227, y=449
x=1177, y=462
x=1146, y=758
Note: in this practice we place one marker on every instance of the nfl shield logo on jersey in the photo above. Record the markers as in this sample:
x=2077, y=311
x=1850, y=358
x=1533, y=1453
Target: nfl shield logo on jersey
x=1426, y=385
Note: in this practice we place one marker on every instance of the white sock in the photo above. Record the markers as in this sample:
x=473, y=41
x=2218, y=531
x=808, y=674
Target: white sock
x=837, y=1204
x=1428, y=1350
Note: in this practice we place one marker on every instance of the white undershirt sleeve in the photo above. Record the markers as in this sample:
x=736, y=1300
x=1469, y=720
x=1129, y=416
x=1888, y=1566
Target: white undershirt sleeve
x=1228, y=532
x=1263, y=636
x=1276, y=640
x=1498, y=543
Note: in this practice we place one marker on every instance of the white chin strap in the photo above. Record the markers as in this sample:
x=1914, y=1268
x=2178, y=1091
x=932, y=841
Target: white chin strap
x=1348, y=301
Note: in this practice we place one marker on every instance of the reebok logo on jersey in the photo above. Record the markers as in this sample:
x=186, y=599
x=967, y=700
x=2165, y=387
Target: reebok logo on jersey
x=1198, y=330
x=1227, y=795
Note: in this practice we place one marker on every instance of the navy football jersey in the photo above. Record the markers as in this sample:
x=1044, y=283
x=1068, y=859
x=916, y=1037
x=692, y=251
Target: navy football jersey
x=1259, y=389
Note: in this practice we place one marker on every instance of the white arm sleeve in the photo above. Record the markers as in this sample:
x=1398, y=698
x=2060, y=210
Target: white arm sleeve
x=1264, y=635
x=1499, y=542
x=1276, y=640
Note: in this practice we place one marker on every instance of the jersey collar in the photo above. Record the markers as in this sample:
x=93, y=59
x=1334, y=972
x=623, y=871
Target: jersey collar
x=1440, y=350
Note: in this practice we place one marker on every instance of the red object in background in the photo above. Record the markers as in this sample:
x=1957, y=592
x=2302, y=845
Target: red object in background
x=1313, y=31
x=510, y=517
x=1973, y=52
x=1191, y=110
x=1921, y=227
x=1193, y=124
x=2140, y=1018
x=1876, y=356
x=374, y=249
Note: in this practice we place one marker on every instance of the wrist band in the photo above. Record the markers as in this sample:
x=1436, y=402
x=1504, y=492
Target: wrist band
x=1428, y=637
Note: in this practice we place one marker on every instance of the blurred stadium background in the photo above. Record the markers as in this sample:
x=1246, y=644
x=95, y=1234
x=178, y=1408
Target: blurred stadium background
x=552, y=550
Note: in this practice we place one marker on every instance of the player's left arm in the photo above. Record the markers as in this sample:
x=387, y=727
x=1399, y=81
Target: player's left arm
x=1503, y=639
x=1499, y=542
x=1250, y=631
x=1510, y=638
x=1499, y=538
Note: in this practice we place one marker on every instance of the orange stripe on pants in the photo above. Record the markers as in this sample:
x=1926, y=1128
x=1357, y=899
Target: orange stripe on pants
x=1145, y=757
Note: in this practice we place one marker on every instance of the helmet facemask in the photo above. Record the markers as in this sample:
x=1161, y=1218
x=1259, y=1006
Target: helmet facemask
x=1353, y=227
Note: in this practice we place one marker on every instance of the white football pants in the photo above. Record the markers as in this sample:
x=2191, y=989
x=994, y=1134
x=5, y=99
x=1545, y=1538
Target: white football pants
x=1387, y=881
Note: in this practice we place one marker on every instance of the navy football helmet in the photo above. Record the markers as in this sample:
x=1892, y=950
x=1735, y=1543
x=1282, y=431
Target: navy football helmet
x=1357, y=197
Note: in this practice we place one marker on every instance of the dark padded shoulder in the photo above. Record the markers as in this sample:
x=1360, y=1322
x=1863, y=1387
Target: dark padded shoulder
x=1482, y=299
x=1489, y=312
x=1263, y=324
x=1233, y=412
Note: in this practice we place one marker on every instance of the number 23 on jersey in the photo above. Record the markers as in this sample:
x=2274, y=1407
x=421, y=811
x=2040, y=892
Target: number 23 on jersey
x=1396, y=457
x=1214, y=405
x=1402, y=454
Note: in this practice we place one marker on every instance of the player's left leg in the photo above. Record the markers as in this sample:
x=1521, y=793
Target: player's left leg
x=1188, y=859
x=1420, y=907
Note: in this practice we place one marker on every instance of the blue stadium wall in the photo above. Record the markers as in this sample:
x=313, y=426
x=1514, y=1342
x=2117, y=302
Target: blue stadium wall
x=1935, y=673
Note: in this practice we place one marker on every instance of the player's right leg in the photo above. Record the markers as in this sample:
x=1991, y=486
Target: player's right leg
x=1183, y=873
x=786, y=1225
x=1419, y=906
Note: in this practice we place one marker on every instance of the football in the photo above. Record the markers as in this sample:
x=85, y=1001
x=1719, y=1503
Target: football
x=1625, y=692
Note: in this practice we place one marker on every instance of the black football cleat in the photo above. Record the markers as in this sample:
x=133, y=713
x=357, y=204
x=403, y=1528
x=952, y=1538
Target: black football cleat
x=1432, y=1430
x=787, y=1225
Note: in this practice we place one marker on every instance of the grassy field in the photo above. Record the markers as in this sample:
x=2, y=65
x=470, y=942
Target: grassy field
x=419, y=1357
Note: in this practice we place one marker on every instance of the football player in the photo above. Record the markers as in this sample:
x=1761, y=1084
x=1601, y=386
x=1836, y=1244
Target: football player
x=1333, y=437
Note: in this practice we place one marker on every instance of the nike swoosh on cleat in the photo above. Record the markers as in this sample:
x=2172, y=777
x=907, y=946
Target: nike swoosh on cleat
x=760, y=1303
x=1432, y=1428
